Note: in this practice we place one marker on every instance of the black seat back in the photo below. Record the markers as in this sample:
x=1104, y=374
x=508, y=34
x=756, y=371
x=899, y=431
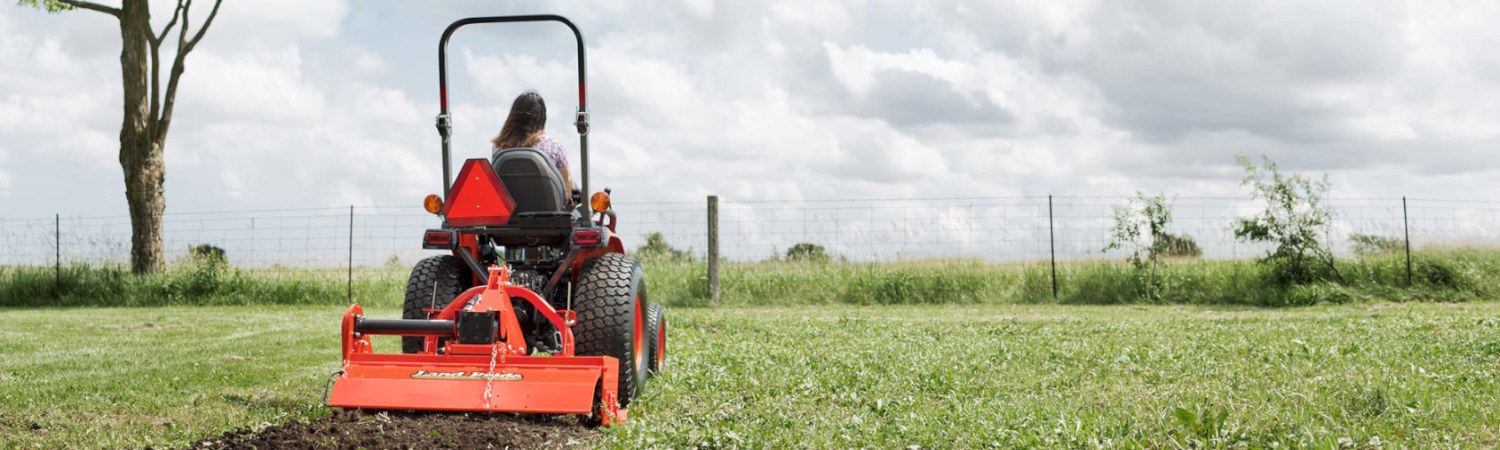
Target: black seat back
x=531, y=179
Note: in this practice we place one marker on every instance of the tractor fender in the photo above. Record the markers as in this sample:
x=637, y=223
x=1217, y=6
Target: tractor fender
x=615, y=246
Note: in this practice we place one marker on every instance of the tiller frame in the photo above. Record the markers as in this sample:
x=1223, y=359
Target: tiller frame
x=483, y=365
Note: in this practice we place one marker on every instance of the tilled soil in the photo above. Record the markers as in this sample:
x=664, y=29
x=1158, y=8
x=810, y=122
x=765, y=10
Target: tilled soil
x=412, y=430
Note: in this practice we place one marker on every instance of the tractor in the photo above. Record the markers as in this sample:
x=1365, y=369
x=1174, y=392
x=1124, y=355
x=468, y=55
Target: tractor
x=535, y=308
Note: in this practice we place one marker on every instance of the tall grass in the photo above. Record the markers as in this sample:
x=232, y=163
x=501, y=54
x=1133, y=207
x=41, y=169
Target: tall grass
x=189, y=284
x=1438, y=275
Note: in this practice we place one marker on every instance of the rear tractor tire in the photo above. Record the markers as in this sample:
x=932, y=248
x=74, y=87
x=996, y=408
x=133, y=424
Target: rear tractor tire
x=611, y=302
x=434, y=282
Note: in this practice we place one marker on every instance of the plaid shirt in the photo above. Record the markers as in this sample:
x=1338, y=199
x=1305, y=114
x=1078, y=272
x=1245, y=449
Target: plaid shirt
x=548, y=146
x=553, y=149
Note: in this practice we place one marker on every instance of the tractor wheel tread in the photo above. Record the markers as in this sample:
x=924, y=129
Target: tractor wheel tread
x=605, y=300
x=654, y=317
x=434, y=282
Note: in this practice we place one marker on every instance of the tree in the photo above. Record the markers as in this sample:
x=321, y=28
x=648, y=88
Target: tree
x=148, y=111
x=1294, y=220
x=1140, y=227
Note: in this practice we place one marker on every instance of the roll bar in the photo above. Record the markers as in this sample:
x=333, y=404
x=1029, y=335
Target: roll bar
x=444, y=119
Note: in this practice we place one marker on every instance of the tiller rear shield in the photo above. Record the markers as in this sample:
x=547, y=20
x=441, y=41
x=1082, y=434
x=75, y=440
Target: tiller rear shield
x=482, y=365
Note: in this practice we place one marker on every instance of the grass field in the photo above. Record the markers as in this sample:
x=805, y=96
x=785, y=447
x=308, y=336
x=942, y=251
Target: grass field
x=1363, y=374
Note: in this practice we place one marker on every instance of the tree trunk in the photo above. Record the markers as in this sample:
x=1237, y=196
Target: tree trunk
x=140, y=157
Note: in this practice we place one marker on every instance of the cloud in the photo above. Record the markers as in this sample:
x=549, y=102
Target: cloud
x=330, y=102
x=258, y=85
x=245, y=24
x=365, y=60
x=4, y=176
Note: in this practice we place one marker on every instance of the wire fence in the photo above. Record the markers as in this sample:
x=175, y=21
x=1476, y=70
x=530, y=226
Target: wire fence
x=990, y=228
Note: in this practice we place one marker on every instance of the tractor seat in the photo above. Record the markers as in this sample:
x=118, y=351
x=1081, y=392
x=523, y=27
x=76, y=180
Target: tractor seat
x=531, y=180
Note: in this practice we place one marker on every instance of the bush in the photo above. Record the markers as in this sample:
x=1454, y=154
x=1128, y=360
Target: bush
x=1369, y=244
x=1178, y=246
x=807, y=252
x=1295, y=219
x=657, y=248
x=1140, y=227
x=207, y=254
x=394, y=263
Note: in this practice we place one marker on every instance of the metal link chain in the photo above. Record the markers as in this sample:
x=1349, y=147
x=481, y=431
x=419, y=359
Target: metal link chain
x=489, y=377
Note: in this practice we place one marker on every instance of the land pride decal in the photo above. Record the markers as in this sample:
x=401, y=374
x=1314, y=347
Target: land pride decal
x=482, y=376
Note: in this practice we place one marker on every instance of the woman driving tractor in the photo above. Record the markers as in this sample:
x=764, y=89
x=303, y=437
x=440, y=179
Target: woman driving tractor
x=525, y=128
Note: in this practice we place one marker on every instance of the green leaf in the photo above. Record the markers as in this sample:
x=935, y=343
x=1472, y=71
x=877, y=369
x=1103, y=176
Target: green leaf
x=1187, y=418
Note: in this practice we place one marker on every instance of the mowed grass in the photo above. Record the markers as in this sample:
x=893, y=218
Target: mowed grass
x=135, y=377
x=1416, y=374
x=1419, y=375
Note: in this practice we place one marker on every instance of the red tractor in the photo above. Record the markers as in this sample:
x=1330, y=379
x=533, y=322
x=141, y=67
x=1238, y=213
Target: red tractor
x=537, y=309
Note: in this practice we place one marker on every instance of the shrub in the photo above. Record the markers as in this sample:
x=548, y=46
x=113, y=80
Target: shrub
x=1140, y=227
x=1370, y=244
x=1178, y=246
x=807, y=252
x=657, y=248
x=1295, y=219
x=394, y=263
x=208, y=254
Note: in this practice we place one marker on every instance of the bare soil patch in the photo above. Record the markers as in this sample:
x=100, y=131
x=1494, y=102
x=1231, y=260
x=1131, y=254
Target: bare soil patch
x=412, y=430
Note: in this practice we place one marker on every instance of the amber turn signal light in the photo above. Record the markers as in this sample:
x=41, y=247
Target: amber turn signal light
x=600, y=201
x=432, y=203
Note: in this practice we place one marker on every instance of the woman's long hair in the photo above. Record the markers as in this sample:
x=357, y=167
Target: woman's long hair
x=528, y=118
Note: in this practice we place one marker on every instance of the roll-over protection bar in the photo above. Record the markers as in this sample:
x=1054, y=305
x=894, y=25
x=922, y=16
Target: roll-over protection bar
x=444, y=119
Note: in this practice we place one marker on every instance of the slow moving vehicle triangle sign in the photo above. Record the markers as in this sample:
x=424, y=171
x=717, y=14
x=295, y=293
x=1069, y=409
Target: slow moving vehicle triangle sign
x=477, y=197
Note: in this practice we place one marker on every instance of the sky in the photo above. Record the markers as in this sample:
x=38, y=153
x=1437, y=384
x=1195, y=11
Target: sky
x=319, y=103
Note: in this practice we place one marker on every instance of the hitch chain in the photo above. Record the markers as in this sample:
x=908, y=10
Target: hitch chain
x=489, y=378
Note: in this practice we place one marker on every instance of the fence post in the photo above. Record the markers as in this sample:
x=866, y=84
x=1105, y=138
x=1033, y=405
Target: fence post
x=1052, y=241
x=351, y=254
x=713, y=248
x=1406, y=227
x=57, y=257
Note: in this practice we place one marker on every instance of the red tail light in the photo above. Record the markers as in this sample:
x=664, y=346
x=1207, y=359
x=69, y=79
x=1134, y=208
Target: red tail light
x=588, y=238
x=439, y=239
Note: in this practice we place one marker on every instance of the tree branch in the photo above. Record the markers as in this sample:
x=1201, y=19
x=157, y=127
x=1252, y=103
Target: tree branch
x=204, y=28
x=156, y=39
x=92, y=6
x=153, y=118
x=184, y=46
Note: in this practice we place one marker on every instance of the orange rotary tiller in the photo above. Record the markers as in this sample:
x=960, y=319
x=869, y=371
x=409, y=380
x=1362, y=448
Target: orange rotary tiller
x=479, y=362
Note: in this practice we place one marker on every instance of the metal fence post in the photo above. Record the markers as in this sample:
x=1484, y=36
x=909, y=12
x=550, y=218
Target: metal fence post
x=713, y=248
x=1406, y=226
x=351, y=254
x=1052, y=241
x=57, y=257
